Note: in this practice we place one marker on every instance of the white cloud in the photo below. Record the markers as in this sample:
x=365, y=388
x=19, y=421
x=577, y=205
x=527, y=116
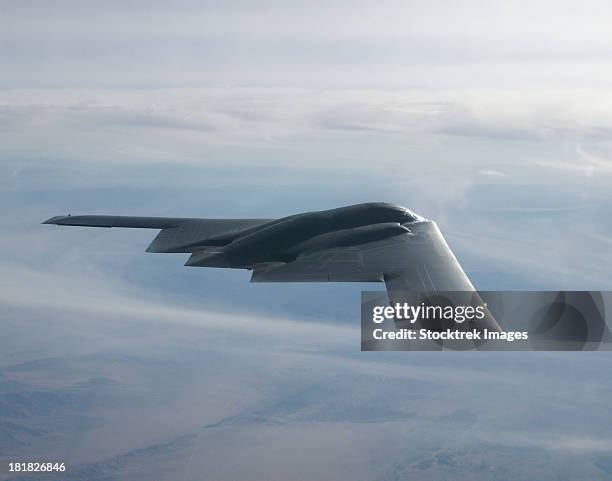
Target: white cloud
x=183, y=125
x=349, y=44
x=95, y=296
x=492, y=173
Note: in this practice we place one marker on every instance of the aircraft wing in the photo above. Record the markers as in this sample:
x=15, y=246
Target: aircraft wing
x=428, y=271
x=177, y=234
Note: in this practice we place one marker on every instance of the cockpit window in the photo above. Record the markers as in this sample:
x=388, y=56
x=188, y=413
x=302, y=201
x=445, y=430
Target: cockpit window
x=410, y=216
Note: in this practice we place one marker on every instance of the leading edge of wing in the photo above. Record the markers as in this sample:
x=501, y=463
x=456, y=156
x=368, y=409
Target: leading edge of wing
x=117, y=221
x=177, y=234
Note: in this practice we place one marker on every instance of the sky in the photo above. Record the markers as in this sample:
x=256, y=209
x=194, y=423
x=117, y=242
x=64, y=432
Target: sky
x=493, y=118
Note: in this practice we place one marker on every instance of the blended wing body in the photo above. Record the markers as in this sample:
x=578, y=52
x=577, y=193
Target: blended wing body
x=374, y=242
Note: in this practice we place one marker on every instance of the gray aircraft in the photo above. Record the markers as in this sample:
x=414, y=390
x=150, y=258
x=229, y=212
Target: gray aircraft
x=372, y=242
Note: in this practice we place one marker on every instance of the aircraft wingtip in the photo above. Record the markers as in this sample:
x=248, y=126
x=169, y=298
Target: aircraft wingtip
x=54, y=220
